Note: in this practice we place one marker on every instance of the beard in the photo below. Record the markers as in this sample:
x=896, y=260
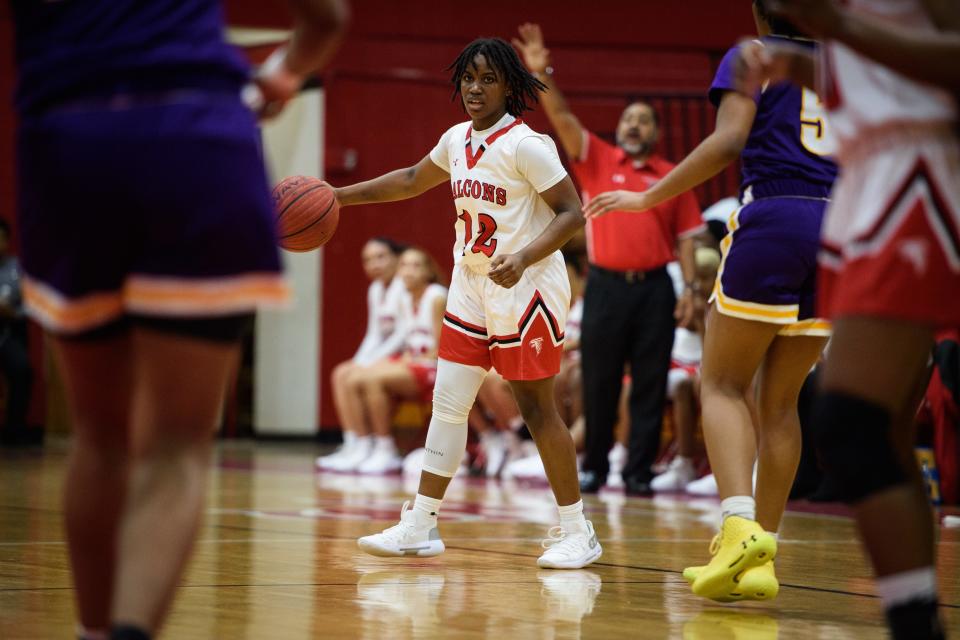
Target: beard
x=636, y=148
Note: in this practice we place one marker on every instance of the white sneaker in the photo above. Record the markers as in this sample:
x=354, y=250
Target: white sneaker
x=617, y=458
x=570, y=549
x=349, y=461
x=404, y=539
x=327, y=462
x=705, y=486
x=678, y=475
x=383, y=459
x=495, y=448
x=529, y=468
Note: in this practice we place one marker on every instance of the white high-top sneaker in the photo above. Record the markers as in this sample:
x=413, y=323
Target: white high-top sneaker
x=362, y=449
x=705, y=486
x=327, y=462
x=678, y=475
x=383, y=459
x=570, y=549
x=408, y=538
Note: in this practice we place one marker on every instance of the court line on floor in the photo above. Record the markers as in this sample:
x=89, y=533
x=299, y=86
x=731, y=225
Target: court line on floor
x=673, y=571
x=330, y=584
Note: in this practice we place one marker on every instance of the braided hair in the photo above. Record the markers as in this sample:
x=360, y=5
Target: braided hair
x=504, y=60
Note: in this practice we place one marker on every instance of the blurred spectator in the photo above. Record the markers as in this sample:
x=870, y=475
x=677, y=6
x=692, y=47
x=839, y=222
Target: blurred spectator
x=683, y=381
x=376, y=387
x=383, y=339
x=14, y=358
x=630, y=306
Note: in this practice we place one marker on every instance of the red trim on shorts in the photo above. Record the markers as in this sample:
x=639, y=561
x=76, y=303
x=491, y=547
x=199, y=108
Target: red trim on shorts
x=462, y=348
x=466, y=326
x=919, y=173
x=526, y=318
x=909, y=278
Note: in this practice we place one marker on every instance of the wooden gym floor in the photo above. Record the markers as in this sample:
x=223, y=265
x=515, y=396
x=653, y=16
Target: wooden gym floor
x=277, y=558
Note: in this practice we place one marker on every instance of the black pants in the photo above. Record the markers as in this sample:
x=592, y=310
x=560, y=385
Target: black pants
x=15, y=365
x=626, y=322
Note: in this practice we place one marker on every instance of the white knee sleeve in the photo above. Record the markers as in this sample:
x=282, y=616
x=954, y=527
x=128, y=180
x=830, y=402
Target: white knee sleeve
x=453, y=395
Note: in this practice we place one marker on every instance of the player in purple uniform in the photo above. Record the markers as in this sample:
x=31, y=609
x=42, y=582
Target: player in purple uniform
x=147, y=242
x=763, y=309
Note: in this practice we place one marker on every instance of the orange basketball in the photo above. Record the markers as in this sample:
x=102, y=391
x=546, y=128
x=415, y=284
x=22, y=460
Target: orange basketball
x=307, y=213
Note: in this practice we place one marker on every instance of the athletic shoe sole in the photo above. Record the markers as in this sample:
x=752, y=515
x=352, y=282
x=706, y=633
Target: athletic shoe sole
x=594, y=555
x=426, y=549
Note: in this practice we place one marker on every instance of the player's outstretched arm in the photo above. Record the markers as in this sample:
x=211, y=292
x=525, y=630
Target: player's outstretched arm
x=537, y=58
x=563, y=199
x=926, y=56
x=396, y=185
x=723, y=146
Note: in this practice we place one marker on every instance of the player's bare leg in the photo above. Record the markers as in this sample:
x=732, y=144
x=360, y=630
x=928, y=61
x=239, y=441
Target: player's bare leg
x=98, y=466
x=381, y=383
x=349, y=413
x=573, y=545
x=179, y=386
x=786, y=366
x=732, y=352
x=878, y=365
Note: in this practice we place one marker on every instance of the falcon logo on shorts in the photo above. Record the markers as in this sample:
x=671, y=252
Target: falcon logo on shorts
x=537, y=344
x=914, y=251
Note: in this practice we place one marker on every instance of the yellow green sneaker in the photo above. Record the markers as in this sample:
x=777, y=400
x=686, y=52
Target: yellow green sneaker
x=742, y=547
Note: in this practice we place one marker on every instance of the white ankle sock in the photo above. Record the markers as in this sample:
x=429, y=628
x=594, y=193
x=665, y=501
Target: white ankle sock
x=426, y=509
x=349, y=438
x=571, y=517
x=742, y=506
x=916, y=584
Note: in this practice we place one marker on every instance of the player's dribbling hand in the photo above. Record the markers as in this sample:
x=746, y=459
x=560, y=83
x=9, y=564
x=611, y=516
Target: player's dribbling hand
x=614, y=201
x=507, y=270
x=530, y=44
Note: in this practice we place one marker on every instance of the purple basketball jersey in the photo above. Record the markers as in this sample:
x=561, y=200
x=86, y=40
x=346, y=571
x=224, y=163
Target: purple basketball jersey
x=788, y=133
x=71, y=50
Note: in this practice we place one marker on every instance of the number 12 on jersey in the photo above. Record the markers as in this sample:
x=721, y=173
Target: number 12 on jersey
x=485, y=242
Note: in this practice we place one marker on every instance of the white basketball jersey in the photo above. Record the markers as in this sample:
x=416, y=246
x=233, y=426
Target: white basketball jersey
x=863, y=96
x=419, y=321
x=496, y=187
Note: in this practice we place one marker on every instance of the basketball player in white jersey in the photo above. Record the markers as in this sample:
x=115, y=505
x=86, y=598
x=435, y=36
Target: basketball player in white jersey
x=890, y=264
x=383, y=339
x=509, y=295
x=410, y=375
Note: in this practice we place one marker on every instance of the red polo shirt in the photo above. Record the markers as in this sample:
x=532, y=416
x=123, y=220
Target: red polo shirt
x=631, y=240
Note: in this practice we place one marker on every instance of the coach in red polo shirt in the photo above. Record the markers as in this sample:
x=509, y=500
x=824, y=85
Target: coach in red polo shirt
x=630, y=308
